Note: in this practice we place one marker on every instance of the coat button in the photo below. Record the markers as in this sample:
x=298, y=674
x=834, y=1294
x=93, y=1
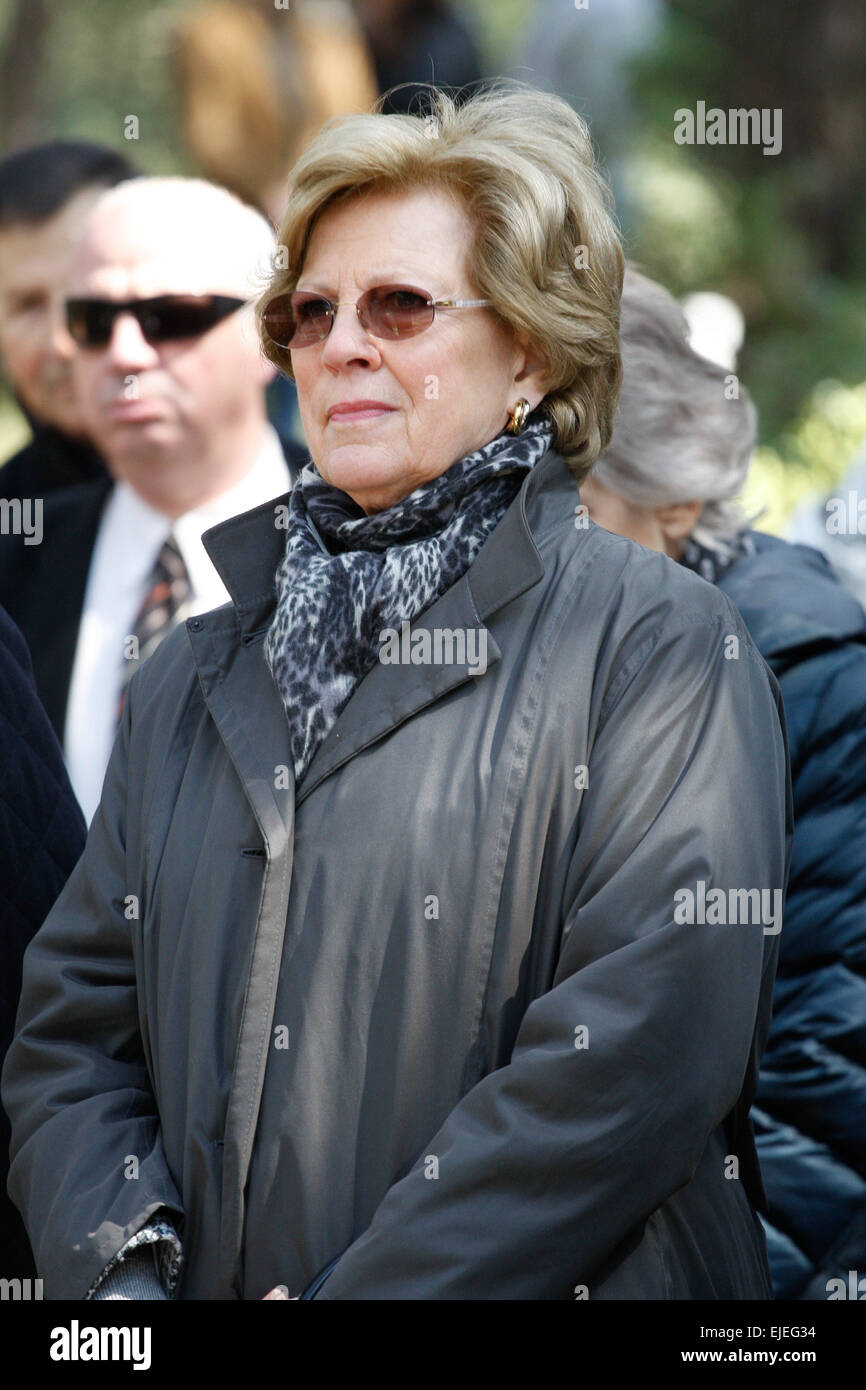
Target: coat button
x=195, y=624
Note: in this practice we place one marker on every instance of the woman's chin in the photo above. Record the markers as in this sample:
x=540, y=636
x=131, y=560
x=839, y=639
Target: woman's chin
x=364, y=471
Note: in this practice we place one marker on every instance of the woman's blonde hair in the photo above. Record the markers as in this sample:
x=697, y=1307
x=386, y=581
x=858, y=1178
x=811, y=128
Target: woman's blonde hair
x=546, y=250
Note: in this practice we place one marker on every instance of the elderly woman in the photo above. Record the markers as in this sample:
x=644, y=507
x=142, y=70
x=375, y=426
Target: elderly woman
x=678, y=458
x=403, y=960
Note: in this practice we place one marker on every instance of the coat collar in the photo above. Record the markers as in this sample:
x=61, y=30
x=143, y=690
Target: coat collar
x=247, y=549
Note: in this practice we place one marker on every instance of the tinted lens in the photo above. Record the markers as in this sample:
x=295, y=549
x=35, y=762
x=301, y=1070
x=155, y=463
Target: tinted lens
x=181, y=316
x=278, y=322
x=89, y=321
x=297, y=320
x=312, y=318
x=396, y=311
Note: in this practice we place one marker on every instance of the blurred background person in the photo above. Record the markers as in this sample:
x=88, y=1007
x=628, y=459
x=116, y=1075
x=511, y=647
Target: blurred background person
x=41, y=836
x=46, y=192
x=584, y=54
x=171, y=380
x=678, y=457
x=256, y=83
x=420, y=42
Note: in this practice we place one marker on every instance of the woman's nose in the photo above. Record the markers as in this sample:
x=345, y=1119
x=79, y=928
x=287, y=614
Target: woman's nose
x=348, y=340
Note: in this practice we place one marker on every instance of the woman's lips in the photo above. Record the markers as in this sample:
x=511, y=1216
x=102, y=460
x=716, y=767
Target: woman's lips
x=360, y=410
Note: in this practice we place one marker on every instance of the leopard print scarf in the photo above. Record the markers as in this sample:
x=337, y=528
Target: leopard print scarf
x=345, y=577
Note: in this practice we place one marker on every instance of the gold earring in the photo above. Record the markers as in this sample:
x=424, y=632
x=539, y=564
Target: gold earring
x=517, y=419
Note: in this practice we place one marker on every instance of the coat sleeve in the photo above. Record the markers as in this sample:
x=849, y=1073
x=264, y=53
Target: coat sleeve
x=549, y=1162
x=88, y=1168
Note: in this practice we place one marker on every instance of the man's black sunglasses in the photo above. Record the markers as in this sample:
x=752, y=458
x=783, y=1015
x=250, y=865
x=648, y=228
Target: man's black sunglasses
x=168, y=316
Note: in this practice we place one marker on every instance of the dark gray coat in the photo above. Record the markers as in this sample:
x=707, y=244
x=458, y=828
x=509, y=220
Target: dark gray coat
x=509, y=1072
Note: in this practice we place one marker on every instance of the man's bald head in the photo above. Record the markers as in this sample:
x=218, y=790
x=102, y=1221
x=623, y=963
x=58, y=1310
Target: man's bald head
x=174, y=235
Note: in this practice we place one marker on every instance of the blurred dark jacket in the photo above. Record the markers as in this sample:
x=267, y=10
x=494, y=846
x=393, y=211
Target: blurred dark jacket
x=810, y=1107
x=429, y=44
x=50, y=460
x=42, y=587
x=41, y=836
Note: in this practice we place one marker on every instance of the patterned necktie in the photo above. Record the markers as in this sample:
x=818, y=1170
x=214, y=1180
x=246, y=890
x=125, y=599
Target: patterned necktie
x=165, y=605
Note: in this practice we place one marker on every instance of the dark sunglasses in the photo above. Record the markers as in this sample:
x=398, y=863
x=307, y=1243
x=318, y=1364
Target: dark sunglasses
x=168, y=316
x=389, y=311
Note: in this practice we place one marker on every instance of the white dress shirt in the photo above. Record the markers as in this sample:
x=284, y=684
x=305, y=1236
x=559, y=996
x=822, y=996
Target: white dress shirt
x=128, y=541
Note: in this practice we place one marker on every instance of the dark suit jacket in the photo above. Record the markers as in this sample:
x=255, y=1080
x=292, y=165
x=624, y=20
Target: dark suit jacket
x=49, y=461
x=42, y=586
x=41, y=836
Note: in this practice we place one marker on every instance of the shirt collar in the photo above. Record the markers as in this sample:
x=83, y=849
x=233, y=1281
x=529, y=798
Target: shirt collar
x=247, y=549
x=268, y=477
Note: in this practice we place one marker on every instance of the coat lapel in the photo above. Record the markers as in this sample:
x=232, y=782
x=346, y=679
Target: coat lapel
x=230, y=675
x=249, y=716
x=391, y=693
x=507, y=565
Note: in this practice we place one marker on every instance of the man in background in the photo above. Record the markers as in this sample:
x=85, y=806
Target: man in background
x=171, y=381
x=46, y=192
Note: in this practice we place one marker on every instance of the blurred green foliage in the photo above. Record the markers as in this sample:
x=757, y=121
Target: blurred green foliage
x=782, y=235
x=500, y=23
x=103, y=61
x=811, y=455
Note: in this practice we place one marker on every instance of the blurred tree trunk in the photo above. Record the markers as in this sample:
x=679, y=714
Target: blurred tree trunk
x=21, y=66
x=810, y=60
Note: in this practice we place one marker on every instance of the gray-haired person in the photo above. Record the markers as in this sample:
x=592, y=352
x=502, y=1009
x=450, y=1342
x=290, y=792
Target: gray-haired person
x=679, y=455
